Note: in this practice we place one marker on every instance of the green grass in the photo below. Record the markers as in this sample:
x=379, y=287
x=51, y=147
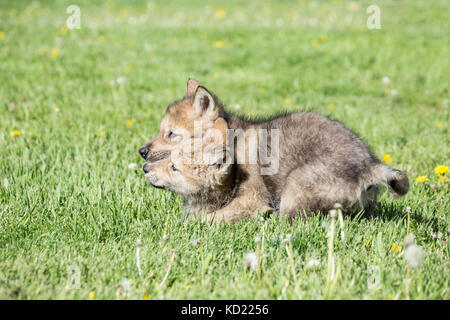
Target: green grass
x=67, y=197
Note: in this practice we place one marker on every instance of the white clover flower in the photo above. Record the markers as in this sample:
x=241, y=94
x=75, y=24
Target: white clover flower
x=121, y=80
x=132, y=166
x=195, y=242
x=385, y=80
x=414, y=255
x=138, y=242
x=250, y=261
x=312, y=264
x=237, y=107
x=257, y=239
x=166, y=237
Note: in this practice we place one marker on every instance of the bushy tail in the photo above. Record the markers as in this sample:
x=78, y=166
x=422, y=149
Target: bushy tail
x=396, y=180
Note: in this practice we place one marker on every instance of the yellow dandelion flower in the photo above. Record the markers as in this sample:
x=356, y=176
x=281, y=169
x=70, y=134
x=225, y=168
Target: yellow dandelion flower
x=353, y=6
x=218, y=44
x=91, y=295
x=315, y=43
x=441, y=170
x=261, y=90
x=216, y=75
x=128, y=69
x=393, y=246
x=188, y=286
x=145, y=297
x=220, y=14
x=399, y=248
x=324, y=38
x=287, y=101
x=391, y=298
x=102, y=134
x=444, y=179
x=367, y=244
x=421, y=179
x=440, y=125
x=55, y=53
x=387, y=158
x=64, y=30
x=2, y=35
x=129, y=123
x=332, y=106
x=15, y=133
x=267, y=10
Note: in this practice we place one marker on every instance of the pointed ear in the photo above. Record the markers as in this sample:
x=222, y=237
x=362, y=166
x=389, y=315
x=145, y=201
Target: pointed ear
x=192, y=86
x=204, y=103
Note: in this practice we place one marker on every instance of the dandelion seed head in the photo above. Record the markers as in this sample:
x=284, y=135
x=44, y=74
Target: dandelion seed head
x=414, y=255
x=250, y=261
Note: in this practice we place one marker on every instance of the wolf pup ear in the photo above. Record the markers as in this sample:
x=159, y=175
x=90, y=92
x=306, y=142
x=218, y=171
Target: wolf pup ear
x=192, y=86
x=204, y=103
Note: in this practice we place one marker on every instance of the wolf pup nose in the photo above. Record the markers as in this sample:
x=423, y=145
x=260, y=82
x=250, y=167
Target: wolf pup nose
x=143, y=152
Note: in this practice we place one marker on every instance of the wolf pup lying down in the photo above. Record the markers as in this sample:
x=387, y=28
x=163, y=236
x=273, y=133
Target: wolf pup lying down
x=316, y=162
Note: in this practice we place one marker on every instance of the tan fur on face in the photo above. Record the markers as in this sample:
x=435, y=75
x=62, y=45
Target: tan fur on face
x=200, y=107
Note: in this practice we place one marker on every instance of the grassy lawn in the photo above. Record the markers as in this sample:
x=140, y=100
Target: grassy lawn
x=75, y=106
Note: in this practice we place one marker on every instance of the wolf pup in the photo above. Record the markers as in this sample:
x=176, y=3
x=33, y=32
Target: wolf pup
x=210, y=185
x=319, y=161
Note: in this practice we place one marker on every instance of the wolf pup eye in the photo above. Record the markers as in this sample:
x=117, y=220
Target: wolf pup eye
x=174, y=169
x=171, y=135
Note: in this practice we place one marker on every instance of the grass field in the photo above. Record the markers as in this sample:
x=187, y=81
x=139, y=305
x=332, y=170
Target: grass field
x=75, y=106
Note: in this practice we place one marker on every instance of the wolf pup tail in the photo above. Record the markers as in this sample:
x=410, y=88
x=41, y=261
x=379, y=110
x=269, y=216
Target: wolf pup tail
x=396, y=180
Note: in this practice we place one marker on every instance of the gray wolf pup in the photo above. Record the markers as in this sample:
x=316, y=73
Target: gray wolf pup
x=319, y=161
